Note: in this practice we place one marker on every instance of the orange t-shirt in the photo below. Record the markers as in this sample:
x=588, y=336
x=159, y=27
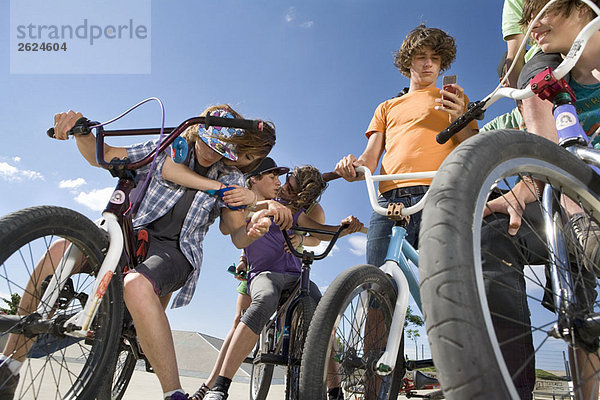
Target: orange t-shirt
x=409, y=124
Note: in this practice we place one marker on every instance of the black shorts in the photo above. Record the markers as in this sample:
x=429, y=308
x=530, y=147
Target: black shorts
x=165, y=266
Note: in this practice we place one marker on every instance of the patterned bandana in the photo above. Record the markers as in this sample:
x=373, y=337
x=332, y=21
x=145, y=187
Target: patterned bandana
x=211, y=135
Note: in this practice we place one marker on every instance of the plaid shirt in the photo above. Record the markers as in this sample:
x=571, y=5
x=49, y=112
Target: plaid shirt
x=162, y=195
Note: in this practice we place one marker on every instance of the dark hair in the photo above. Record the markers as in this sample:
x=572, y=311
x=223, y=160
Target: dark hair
x=564, y=7
x=420, y=38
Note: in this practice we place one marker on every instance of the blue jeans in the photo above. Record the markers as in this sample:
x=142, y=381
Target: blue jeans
x=380, y=227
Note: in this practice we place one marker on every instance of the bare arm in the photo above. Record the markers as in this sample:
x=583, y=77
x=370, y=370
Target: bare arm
x=184, y=176
x=369, y=158
x=233, y=223
x=512, y=46
x=354, y=225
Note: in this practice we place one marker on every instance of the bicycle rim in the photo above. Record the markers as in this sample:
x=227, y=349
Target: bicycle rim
x=357, y=308
x=479, y=284
x=69, y=367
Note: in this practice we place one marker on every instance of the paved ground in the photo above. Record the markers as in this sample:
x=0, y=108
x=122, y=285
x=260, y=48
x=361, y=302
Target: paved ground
x=145, y=386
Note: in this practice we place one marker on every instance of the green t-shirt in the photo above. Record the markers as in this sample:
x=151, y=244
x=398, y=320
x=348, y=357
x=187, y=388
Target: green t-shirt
x=512, y=11
x=511, y=120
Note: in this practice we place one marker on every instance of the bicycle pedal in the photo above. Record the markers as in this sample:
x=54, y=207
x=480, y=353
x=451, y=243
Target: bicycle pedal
x=267, y=358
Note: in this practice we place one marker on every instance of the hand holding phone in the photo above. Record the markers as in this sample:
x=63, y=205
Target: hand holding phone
x=447, y=82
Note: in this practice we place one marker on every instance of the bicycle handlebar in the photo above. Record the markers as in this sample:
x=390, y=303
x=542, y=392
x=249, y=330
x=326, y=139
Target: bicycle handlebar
x=519, y=94
x=83, y=126
x=370, y=179
x=335, y=235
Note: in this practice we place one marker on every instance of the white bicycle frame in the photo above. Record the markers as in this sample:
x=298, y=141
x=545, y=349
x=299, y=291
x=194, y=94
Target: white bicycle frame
x=387, y=361
x=84, y=317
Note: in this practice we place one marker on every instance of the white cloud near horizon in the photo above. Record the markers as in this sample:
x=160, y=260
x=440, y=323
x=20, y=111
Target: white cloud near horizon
x=72, y=183
x=11, y=173
x=358, y=244
x=96, y=199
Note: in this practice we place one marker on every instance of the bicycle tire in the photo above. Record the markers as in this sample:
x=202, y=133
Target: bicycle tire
x=301, y=316
x=464, y=342
x=69, y=367
x=124, y=366
x=334, y=314
x=261, y=376
x=125, y=363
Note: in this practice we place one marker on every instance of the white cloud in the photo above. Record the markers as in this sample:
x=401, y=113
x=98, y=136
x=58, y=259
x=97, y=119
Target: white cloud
x=16, y=159
x=307, y=24
x=14, y=174
x=290, y=15
x=358, y=244
x=95, y=200
x=321, y=248
x=72, y=183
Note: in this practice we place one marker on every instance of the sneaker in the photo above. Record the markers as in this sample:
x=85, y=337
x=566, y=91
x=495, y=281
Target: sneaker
x=200, y=393
x=588, y=235
x=215, y=395
x=178, y=396
x=8, y=383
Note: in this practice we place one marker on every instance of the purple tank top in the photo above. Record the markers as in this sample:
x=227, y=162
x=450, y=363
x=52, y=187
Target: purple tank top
x=268, y=253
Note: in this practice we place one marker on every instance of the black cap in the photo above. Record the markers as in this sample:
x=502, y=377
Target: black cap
x=267, y=165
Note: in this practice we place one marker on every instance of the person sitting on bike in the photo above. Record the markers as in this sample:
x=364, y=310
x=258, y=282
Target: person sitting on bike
x=177, y=220
x=503, y=259
x=405, y=127
x=260, y=182
x=273, y=269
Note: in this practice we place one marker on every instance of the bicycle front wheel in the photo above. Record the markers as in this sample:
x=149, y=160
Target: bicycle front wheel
x=32, y=242
x=487, y=295
x=348, y=335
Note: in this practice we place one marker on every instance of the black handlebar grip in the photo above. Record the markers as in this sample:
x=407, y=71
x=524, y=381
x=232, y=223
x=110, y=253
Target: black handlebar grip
x=81, y=127
x=474, y=111
x=248, y=124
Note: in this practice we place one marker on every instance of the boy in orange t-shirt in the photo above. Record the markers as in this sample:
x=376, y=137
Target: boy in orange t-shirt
x=405, y=127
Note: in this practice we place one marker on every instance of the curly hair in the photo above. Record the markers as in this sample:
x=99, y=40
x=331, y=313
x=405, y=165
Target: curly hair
x=252, y=142
x=564, y=7
x=419, y=38
x=311, y=185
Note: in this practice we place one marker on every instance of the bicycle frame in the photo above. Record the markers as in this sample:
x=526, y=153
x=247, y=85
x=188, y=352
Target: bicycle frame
x=399, y=253
x=116, y=220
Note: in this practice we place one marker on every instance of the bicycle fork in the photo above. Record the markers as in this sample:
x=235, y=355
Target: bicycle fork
x=78, y=325
x=406, y=282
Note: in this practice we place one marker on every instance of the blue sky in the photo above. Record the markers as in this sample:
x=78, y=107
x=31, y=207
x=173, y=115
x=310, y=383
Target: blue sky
x=317, y=69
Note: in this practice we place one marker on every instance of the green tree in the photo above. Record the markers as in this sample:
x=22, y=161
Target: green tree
x=13, y=304
x=412, y=319
x=413, y=334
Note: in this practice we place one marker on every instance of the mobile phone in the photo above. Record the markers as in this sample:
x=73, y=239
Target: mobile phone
x=233, y=271
x=447, y=81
